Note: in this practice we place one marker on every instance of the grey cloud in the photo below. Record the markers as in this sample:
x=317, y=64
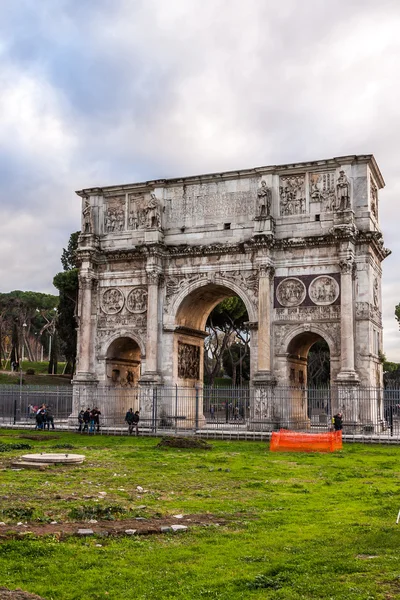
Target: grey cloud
x=122, y=91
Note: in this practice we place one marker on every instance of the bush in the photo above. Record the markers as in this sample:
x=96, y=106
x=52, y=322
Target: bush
x=18, y=514
x=18, y=446
x=30, y=372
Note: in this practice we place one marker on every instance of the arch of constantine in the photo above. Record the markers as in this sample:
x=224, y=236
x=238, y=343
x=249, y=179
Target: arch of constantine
x=300, y=244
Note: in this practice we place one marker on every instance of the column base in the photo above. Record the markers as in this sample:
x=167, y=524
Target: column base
x=349, y=376
x=347, y=401
x=150, y=378
x=84, y=395
x=264, y=378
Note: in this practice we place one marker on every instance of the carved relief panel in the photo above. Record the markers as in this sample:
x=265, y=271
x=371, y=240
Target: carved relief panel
x=373, y=197
x=136, y=301
x=112, y=301
x=331, y=331
x=292, y=194
x=144, y=211
x=291, y=292
x=188, y=361
x=323, y=290
x=174, y=284
x=322, y=189
x=114, y=214
x=307, y=290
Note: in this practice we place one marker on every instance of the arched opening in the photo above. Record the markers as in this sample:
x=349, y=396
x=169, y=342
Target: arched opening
x=309, y=371
x=212, y=350
x=123, y=363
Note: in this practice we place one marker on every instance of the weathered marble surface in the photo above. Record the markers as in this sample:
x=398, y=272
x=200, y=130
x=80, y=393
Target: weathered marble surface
x=300, y=244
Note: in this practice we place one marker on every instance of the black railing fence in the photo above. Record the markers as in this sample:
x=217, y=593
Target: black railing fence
x=210, y=410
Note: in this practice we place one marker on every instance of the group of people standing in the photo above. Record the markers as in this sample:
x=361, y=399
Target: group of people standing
x=89, y=420
x=43, y=415
x=132, y=418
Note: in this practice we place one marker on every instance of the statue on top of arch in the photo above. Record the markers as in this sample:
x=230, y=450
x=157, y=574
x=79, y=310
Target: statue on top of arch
x=343, y=191
x=153, y=213
x=264, y=201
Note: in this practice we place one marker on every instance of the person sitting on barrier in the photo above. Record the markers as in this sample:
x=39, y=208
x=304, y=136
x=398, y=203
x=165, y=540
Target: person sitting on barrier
x=95, y=414
x=49, y=418
x=80, y=419
x=86, y=419
x=129, y=419
x=338, y=422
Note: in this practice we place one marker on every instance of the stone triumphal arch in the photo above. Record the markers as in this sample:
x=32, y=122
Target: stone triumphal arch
x=300, y=244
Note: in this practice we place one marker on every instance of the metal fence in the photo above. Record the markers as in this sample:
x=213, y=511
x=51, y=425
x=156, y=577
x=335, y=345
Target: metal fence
x=210, y=411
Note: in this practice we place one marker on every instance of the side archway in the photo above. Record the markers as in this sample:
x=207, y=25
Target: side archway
x=123, y=361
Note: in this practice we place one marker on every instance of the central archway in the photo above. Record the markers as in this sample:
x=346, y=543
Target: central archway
x=190, y=330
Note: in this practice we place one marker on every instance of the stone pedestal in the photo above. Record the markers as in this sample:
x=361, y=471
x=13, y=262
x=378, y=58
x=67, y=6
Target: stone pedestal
x=153, y=236
x=85, y=394
x=264, y=411
x=264, y=226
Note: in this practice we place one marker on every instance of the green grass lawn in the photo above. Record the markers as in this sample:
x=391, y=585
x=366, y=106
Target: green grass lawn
x=41, y=376
x=293, y=526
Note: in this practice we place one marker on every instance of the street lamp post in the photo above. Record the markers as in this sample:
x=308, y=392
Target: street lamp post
x=17, y=416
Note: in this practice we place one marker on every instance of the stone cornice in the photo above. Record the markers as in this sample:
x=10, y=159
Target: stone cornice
x=334, y=236
x=331, y=163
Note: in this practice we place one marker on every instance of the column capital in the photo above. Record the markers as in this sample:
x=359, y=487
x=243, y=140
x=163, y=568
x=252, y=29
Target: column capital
x=153, y=277
x=346, y=265
x=266, y=271
x=86, y=281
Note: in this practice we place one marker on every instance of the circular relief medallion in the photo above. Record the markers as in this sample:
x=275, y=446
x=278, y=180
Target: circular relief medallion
x=291, y=292
x=323, y=290
x=112, y=301
x=136, y=301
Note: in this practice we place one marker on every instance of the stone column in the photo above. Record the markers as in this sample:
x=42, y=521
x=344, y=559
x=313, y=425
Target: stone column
x=264, y=321
x=347, y=371
x=85, y=382
x=262, y=409
x=85, y=328
x=153, y=278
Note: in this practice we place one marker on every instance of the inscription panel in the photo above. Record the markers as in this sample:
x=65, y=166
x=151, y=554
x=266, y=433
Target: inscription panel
x=199, y=202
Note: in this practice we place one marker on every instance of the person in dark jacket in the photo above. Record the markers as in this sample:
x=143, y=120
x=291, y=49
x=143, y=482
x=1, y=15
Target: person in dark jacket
x=136, y=422
x=96, y=418
x=86, y=419
x=80, y=419
x=338, y=421
x=49, y=418
x=129, y=419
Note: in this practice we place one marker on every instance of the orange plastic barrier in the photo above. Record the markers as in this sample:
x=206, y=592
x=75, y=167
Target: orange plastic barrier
x=293, y=441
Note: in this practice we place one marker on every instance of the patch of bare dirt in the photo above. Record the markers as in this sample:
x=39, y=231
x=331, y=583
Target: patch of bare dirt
x=183, y=442
x=6, y=594
x=143, y=526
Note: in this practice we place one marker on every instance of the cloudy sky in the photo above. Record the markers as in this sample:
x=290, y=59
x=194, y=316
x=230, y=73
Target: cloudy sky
x=97, y=92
